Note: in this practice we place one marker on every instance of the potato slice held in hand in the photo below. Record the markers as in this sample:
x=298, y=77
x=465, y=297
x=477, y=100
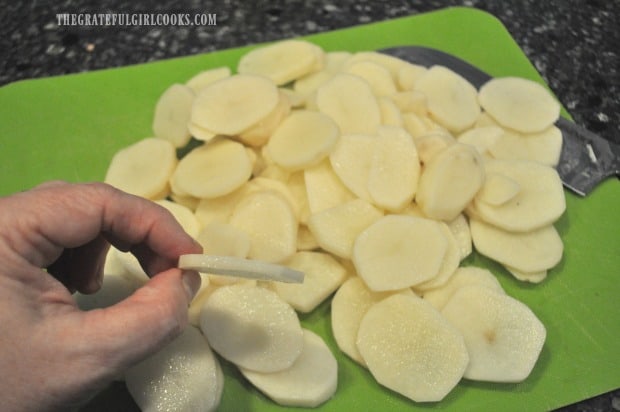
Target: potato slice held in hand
x=252, y=327
x=450, y=181
x=183, y=376
x=302, y=140
x=283, y=61
x=231, y=105
x=399, y=251
x=310, y=381
x=143, y=168
x=519, y=104
x=213, y=169
x=411, y=349
x=172, y=113
x=503, y=336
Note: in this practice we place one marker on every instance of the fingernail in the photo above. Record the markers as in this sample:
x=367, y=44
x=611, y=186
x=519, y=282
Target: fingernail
x=191, y=283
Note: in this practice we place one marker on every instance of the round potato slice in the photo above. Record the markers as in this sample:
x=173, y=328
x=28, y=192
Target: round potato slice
x=172, y=113
x=399, y=251
x=452, y=100
x=282, y=62
x=144, y=168
x=519, y=104
x=212, y=170
x=231, y=105
x=252, y=327
x=302, y=140
x=411, y=349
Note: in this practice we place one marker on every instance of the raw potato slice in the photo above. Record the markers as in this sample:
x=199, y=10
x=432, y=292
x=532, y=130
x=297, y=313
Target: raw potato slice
x=229, y=106
x=336, y=229
x=349, y=101
x=183, y=215
x=410, y=101
x=544, y=147
x=270, y=223
x=224, y=240
x=503, y=336
x=205, y=78
x=351, y=160
x=258, y=134
x=450, y=263
x=200, y=133
x=252, y=327
x=324, y=188
x=482, y=138
x=533, y=251
x=391, y=63
x=261, y=183
x=532, y=277
x=305, y=239
x=213, y=169
x=184, y=376
x=323, y=275
x=394, y=169
x=302, y=140
x=411, y=349
x=348, y=307
x=498, y=189
x=283, y=61
x=450, y=181
x=390, y=113
x=377, y=76
x=452, y=100
x=539, y=203
x=408, y=75
x=172, y=113
x=297, y=187
x=430, y=144
x=399, y=251
x=114, y=288
x=519, y=104
x=143, y=168
x=460, y=230
x=463, y=276
x=220, y=208
x=309, y=382
x=188, y=201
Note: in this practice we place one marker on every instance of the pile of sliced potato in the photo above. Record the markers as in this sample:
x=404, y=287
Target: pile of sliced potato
x=373, y=176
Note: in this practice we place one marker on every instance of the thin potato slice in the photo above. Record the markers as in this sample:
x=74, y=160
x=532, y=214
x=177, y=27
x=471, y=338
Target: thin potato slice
x=252, y=327
x=532, y=277
x=463, y=276
x=498, y=189
x=348, y=307
x=399, y=251
x=533, y=251
x=184, y=376
x=183, y=215
x=539, y=202
x=544, y=147
x=503, y=336
x=482, y=137
x=258, y=134
x=271, y=224
x=310, y=381
x=324, y=188
x=349, y=101
x=430, y=144
x=213, y=169
x=460, y=230
x=390, y=113
x=452, y=100
x=377, y=76
x=351, y=160
x=335, y=229
x=172, y=113
x=143, y=168
x=231, y=105
x=206, y=77
x=283, y=61
x=302, y=140
x=322, y=276
x=200, y=133
x=411, y=349
x=450, y=181
x=450, y=263
x=519, y=104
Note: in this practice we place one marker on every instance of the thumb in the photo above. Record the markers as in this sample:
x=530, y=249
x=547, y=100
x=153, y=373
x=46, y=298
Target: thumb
x=143, y=323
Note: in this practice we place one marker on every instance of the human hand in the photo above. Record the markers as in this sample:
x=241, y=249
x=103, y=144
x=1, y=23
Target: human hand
x=52, y=355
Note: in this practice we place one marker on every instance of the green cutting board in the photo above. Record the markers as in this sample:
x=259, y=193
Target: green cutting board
x=69, y=127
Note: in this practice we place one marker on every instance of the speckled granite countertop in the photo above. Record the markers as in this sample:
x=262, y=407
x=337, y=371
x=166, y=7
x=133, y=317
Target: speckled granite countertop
x=572, y=43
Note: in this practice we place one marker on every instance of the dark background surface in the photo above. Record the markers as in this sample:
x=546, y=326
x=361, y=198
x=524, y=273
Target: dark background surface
x=574, y=44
